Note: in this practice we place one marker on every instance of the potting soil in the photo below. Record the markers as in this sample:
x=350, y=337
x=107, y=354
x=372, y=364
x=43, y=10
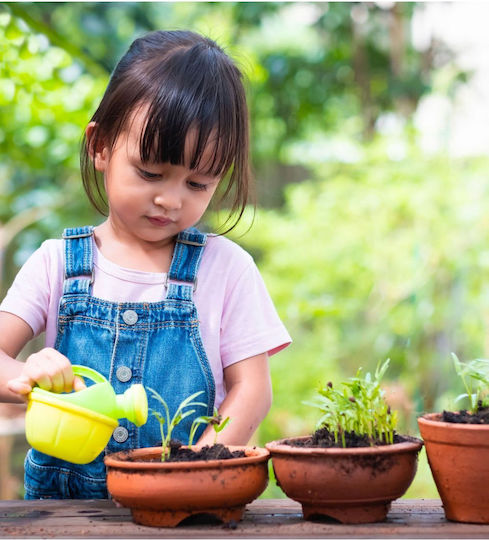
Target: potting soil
x=323, y=438
x=465, y=417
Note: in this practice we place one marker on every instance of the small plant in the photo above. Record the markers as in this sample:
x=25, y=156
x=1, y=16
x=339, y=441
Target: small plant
x=216, y=422
x=171, y=423
x=475, y=378
x=359, y=407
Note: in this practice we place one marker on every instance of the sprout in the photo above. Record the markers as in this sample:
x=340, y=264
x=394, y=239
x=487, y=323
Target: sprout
x=215, y=421
x=171, y=423
x=475, y=378
x=358, y=407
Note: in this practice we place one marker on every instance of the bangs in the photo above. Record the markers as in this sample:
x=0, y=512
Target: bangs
x=193, y=119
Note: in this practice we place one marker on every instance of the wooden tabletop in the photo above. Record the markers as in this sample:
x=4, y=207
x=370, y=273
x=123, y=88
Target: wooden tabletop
x=264, y=518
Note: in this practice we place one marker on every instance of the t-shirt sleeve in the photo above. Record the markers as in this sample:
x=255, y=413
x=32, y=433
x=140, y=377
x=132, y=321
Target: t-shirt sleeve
x=250, y=323
x=29, y=294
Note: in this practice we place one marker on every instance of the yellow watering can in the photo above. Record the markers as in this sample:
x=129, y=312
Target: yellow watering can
x=76, y=427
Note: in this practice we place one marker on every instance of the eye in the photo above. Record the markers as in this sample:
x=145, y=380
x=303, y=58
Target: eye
x=148, y=175
x=197, y=186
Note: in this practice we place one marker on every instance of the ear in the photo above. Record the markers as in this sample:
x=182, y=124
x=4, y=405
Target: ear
x=97, y=150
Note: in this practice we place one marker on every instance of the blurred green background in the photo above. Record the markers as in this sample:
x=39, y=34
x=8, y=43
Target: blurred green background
x=373, y=243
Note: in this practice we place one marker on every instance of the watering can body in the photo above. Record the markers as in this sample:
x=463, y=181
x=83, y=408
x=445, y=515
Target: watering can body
x=76, y=427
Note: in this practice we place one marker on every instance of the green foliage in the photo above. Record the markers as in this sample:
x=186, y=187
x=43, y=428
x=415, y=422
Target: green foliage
x=377, y=258
x=475, y=378
x=216, y=421
x=173, y=421
x=358, y=407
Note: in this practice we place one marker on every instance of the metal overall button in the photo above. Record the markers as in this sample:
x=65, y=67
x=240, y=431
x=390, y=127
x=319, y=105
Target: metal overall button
x=123, y=373
x=130, y=317
x=120, y=434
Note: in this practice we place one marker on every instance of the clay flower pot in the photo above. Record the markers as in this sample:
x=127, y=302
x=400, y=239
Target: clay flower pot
x=458, y=455
x=163, y=494
x=351, y=485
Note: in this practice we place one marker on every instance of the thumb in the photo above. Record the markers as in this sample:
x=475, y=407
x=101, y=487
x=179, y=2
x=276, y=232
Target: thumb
x=20, y=385
x=78, y=384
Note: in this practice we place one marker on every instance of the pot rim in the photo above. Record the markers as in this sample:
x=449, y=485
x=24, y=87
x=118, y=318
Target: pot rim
x=254, y=455
x=279, y=447
x=433, y=419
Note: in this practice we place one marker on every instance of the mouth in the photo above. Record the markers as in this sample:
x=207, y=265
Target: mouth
x=159, y=221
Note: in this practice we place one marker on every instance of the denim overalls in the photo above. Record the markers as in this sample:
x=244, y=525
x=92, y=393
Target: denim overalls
x=157, y=344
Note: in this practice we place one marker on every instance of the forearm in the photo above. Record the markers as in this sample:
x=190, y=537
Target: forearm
x=47, y=368
x=9, y=369
x=14, y=334
x=246, y=414
x=247, y=402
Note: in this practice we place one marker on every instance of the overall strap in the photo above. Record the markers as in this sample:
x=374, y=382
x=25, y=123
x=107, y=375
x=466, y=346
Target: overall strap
x=185, y=263
x=78, y=260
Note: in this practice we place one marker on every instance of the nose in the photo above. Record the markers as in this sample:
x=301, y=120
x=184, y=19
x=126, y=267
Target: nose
x=168, y=197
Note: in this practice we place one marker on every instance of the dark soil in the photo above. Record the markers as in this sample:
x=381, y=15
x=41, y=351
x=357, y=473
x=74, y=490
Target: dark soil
x=177, y=453
x=465, y=417
x=206, y=453
x=322, y=438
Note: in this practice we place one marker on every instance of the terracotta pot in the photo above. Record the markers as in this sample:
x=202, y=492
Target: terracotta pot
x=458, y=455
x=162, y=494
x=351, y=485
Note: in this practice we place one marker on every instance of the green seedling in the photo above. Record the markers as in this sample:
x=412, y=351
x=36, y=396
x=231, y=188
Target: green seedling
x=475, y=378
x=358, y=406
x=215, y=421
x=172, y=422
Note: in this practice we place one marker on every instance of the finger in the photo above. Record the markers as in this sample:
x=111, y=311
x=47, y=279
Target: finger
x=78, y=384
x=69, y=378
x=63, y=376
x=37, y=374
x=19, y=386
x=57, y=382
x=60, y=371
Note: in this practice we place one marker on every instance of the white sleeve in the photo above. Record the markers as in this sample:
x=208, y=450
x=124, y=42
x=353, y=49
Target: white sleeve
x=29, y=294
x=250, y=324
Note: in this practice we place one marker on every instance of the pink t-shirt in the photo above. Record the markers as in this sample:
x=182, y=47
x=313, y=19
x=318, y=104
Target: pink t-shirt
x=237, y=317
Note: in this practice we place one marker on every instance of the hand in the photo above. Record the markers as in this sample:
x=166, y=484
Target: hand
x=48, y=369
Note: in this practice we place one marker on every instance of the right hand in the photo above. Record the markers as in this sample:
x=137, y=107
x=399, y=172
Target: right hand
x=48, y=369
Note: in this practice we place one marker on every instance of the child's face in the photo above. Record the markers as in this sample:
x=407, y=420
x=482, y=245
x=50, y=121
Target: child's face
x=152, y=201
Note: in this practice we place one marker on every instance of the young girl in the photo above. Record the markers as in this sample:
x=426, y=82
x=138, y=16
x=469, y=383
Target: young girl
x=145, y=297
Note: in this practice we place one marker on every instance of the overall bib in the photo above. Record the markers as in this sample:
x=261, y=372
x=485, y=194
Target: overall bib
x=157, y=344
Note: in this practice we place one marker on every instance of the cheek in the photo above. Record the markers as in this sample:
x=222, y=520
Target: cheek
x=208, y=195
x=211, y=191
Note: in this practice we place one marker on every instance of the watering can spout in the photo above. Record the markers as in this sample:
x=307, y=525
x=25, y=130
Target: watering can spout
x=133, y=405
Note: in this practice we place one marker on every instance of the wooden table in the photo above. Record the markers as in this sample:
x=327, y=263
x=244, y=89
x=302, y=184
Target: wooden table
x=264, y=518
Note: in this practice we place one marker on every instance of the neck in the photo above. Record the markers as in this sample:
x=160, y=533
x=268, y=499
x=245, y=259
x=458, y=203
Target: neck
x=127, y=251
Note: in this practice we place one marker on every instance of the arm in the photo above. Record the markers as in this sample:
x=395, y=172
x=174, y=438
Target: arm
x=47, y=368
x=14, y=334
x=248, y=400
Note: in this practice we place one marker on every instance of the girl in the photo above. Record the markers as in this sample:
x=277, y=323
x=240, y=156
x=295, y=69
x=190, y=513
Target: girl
x=145, y=297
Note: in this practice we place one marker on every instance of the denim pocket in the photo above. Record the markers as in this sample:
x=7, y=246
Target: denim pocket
x=40, y=481
x=49, y=478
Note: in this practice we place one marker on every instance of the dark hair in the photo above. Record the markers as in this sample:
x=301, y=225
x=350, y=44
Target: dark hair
x=188, y=82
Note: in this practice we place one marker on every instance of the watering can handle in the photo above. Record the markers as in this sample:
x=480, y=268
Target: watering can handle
x=89, y=373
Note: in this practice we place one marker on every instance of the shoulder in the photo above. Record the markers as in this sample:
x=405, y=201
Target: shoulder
x=48, y=253
x=222, y=250
x=51, y=252
x=46, y=263
x=34, y=293
x=52, y=247
x=224, y=266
